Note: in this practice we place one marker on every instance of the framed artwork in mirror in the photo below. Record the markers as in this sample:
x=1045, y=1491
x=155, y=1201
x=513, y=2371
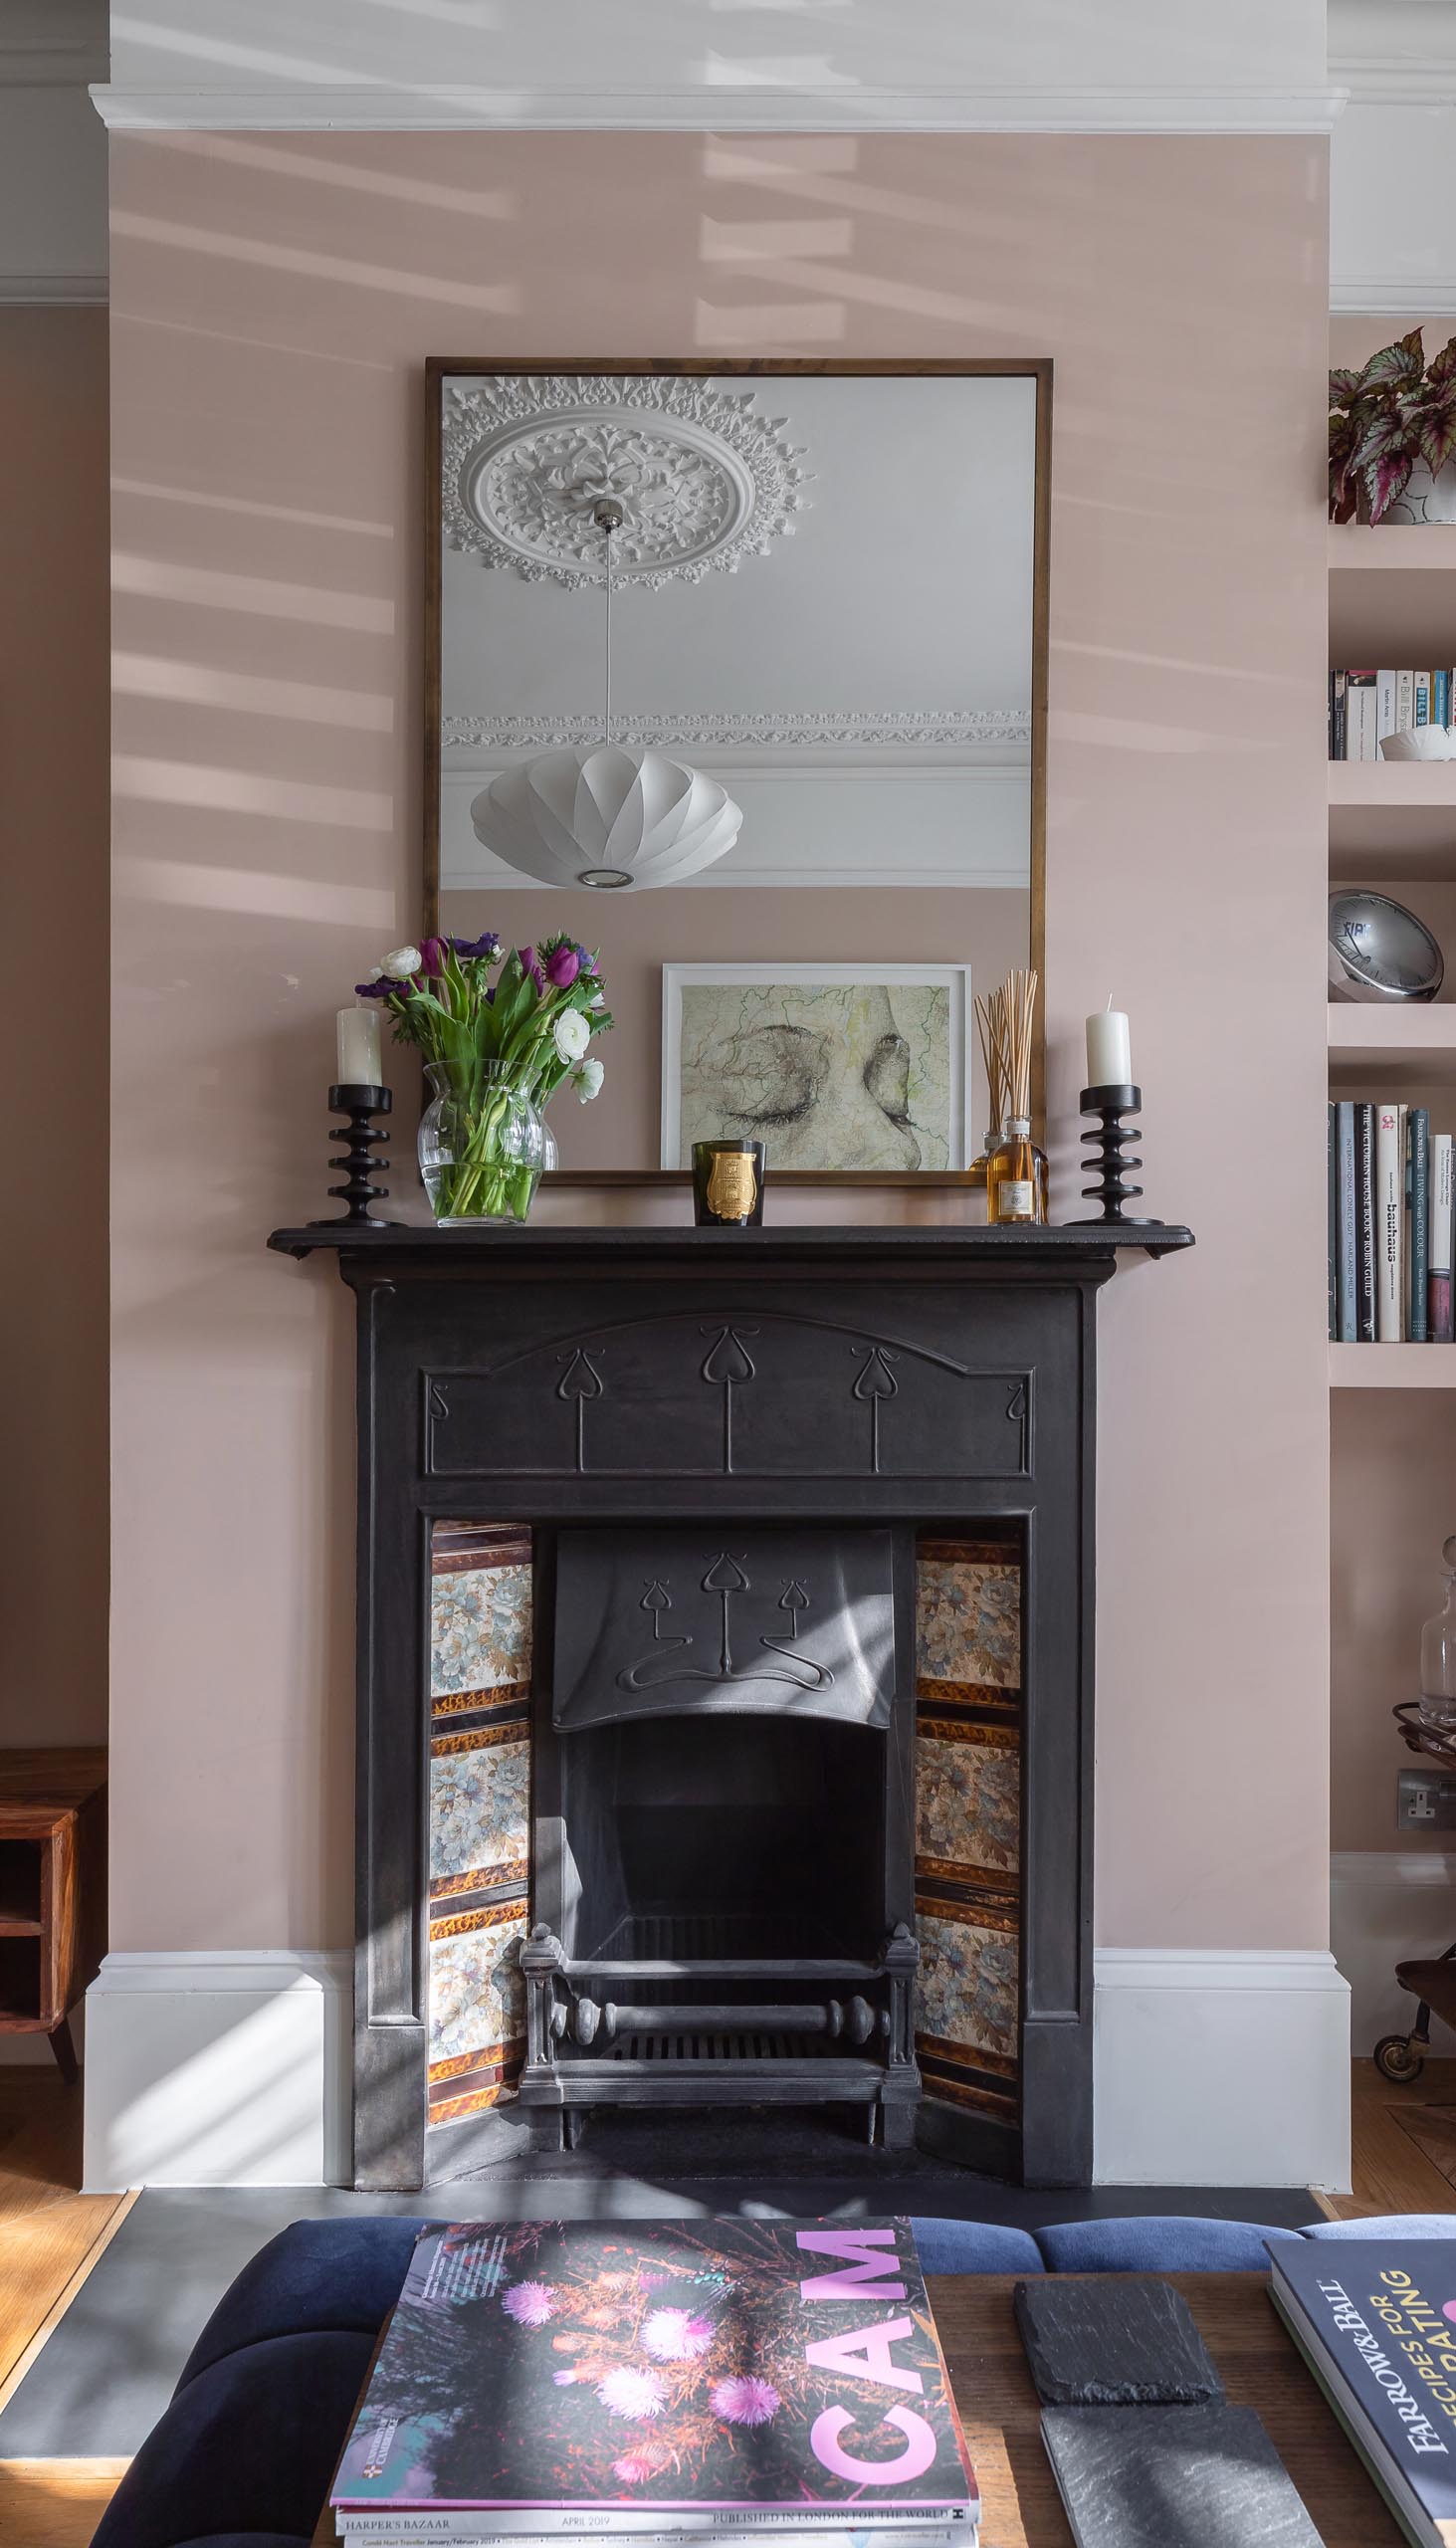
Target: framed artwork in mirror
x=833, y=1067
x=737, y=673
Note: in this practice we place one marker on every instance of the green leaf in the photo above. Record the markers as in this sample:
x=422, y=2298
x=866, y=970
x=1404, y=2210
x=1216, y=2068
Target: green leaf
x=1342, y=387
x=1396, y=365
x=1441, y=368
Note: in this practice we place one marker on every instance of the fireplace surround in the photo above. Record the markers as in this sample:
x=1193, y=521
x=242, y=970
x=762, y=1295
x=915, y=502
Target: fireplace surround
x=762, y=1443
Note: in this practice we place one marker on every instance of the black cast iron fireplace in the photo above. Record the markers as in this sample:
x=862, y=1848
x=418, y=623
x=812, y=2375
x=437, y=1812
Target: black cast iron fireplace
x=723, y=1856
x=723, y=1450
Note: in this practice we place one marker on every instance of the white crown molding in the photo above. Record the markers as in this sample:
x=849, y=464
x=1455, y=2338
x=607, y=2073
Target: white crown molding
x=1396, y=296
x=231, y=106
x=35, y=291
x=769, y=733
x=1394, y=51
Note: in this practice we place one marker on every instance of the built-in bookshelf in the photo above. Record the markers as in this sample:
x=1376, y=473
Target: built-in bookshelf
x=1393, y=826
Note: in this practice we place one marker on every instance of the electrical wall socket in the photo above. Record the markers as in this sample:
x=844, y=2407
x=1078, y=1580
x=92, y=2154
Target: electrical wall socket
x=1425, y=1800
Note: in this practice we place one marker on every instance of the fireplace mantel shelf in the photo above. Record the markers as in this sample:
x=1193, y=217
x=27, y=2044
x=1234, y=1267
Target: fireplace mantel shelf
x=422, y=1245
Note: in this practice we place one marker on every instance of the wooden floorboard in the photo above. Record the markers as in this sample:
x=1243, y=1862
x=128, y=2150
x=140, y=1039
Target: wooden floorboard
x=1389, y=2173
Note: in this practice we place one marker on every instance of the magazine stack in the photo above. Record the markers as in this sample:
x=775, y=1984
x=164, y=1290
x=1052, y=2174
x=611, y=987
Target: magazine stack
x=728, y=2379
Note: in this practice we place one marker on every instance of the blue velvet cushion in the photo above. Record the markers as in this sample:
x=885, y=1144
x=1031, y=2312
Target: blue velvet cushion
x=247, y=2449
x=1158, y=2242
x=342, y=2276
x=1387, y=2224
x=975, y=2246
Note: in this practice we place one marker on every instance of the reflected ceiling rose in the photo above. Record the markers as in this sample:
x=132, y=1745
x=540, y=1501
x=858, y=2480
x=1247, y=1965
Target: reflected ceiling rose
x=610, y=815
x=700, y=479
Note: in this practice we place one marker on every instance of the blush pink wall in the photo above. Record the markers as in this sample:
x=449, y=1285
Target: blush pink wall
x=273, y=303
x=54, y=820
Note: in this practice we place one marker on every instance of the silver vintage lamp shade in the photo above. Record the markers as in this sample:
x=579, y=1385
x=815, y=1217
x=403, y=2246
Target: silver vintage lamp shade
x=606, y=814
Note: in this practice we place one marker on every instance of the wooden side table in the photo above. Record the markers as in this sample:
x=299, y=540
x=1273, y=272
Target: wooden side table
x=53, y=1890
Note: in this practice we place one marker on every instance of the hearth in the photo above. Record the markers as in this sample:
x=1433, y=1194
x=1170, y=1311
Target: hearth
x=722, y=1816
x=831, y=1849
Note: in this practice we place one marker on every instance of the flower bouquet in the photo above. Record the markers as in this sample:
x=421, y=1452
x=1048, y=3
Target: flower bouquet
x=499, y=1034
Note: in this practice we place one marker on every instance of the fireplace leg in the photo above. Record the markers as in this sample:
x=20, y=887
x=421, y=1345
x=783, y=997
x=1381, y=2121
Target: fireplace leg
x=573, y=2119
x=897, y=2127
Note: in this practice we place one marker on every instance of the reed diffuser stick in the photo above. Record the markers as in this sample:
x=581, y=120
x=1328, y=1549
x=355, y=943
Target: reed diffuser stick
x=994, y=1054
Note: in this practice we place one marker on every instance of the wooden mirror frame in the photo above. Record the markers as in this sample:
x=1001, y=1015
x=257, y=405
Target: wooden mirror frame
x=440, y=367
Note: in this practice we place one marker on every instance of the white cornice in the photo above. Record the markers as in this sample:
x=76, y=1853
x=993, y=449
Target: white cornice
x=230, y=107
x=1394, y=296
x=1397, y=53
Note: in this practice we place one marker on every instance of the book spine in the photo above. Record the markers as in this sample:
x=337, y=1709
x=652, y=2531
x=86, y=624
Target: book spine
x=1440, y=699
x=389, y=2524
x=1360, y=717
x=1365, y=1198
x=1336, y=715
x=1404, y=702
x=1421, y=699
x=1348, y=1265
x=1390, y=1214
x=1385, y=706
x=1331, y=1221
x=1421, y=1199
x=1438, y=1278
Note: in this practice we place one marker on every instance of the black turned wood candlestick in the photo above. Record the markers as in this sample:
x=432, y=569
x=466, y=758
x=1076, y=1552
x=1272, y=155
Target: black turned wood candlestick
x=357, y=1192
x=1108, y=1154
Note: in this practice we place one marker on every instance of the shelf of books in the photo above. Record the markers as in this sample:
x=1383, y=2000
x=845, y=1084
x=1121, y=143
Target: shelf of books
x=1390, y=1193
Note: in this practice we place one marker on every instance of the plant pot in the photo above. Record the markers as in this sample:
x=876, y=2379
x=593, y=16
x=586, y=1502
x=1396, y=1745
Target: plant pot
x=1425, y=498
x=480, y=1145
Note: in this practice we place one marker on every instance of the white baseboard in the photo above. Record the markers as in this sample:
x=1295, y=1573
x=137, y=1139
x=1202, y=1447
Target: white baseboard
x=1220, y=2067
x=221, y=2068
x=1385, y=1905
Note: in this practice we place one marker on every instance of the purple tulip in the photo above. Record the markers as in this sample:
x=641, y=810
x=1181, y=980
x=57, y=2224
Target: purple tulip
x=434, y=951
x=487, y=947
x=562, y=967
x=531, y=969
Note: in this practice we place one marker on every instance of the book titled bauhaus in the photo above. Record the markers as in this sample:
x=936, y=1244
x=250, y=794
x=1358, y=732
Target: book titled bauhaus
x=662, y=2377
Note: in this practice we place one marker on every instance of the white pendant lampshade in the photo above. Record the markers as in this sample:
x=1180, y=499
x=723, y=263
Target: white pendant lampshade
x=607, y=814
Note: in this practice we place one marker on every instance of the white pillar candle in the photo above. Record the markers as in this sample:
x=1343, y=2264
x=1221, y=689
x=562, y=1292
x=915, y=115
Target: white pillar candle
x=358, y=1048
x=1109, y=1050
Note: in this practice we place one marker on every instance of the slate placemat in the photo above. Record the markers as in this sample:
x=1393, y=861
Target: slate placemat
x=1173, y=2478
x=1113, y=2340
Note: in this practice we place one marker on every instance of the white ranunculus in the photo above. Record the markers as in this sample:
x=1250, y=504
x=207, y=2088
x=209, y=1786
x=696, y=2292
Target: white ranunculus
x=571, y=1034
x=403, y=961
x=588, y=1081
x=375, y=973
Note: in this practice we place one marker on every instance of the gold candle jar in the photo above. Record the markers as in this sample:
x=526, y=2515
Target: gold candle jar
x=727, y=1184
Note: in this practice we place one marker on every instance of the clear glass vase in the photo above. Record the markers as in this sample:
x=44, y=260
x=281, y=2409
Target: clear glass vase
x=482, y=1145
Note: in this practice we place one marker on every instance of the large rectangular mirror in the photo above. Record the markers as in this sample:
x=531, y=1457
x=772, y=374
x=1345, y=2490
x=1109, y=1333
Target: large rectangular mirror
x=816, y=594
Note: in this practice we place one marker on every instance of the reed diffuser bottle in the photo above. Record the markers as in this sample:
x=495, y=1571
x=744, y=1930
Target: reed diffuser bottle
x=1016, y=1170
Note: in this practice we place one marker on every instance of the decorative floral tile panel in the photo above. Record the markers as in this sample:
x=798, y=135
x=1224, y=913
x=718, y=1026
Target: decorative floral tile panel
x=966, y=1990
x=967, y=1800
x=477, y=1995
x=480, y=1803
x=969, y=1622
x=480, y=1629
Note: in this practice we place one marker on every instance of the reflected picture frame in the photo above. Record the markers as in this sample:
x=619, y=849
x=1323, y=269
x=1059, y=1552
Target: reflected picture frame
x=953, y=980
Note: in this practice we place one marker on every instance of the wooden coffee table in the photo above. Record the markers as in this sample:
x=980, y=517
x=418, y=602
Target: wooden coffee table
x=1257, y=2363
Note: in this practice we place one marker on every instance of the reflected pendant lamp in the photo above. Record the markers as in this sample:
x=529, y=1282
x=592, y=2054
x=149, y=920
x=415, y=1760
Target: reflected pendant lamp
x=613, y=815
